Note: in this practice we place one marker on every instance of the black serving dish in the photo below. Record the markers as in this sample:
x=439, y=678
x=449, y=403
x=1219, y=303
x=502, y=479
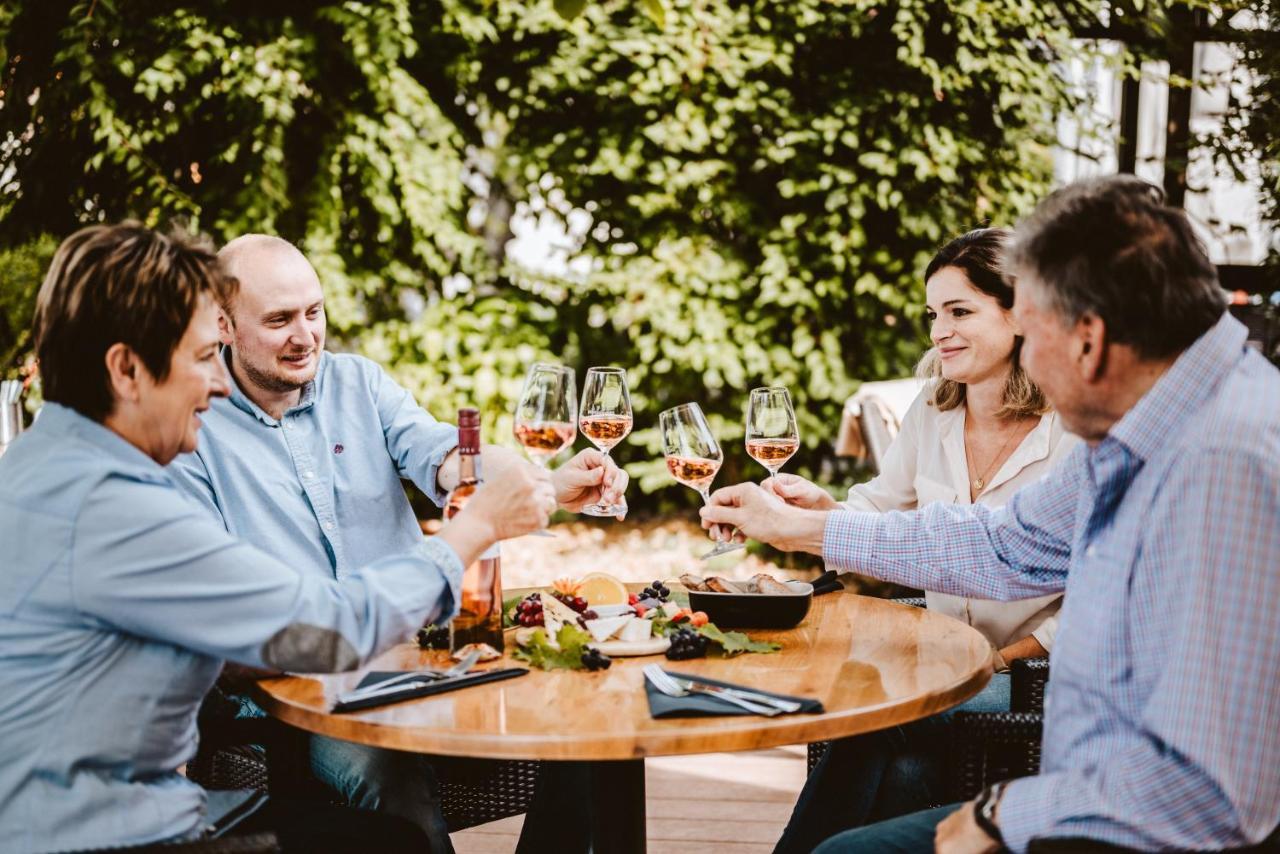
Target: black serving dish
x=755, y=610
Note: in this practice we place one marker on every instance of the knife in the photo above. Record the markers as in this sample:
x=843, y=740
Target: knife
x=403, y=681
x=741, y=694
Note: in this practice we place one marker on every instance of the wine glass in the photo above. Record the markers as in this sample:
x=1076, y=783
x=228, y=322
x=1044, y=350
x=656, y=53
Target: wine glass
x=605, y=419
x=693, y=456
x=772, y=436
x=544, y=416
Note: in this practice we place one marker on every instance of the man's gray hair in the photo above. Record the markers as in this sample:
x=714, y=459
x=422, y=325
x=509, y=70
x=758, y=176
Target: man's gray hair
x=1112, y=247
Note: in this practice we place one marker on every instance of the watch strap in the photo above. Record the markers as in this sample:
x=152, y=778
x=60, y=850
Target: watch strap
x=984, y=811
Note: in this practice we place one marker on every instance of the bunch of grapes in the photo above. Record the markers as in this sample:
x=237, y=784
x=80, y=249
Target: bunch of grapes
x=577, y=603
x=656, y=590
x=594, y=659
x=529, y=611
x=433, y=637
x=686, y=643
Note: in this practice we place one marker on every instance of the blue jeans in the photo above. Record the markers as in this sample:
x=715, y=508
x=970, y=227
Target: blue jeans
x=389, y=781
x=905, y=835
x=880, y=775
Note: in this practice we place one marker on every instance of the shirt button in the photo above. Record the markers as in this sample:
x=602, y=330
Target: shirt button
x=328, y=526
x=1091, y=551
x=308, y=474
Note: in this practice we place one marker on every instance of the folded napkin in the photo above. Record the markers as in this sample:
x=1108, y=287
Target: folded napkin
x=413, y=690
x=705, y=706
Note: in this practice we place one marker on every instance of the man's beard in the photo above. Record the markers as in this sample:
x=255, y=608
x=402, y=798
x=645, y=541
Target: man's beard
x=272, y=382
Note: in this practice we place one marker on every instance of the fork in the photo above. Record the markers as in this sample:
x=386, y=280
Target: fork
x=665, y=683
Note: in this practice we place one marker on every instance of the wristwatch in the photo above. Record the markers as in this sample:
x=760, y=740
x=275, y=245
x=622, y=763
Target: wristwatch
x=984, y=811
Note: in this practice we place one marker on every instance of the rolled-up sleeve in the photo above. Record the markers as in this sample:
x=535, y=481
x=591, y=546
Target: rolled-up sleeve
x=416, y=442
x=148, y=562
x=1018, y=551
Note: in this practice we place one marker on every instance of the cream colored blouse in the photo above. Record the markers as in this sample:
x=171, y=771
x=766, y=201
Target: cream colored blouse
x=926, y=463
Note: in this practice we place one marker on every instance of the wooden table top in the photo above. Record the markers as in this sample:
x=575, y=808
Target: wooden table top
x=871, y=662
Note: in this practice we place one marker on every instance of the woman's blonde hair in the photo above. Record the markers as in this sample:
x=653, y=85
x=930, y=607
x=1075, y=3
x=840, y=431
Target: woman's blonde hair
x=979, y=254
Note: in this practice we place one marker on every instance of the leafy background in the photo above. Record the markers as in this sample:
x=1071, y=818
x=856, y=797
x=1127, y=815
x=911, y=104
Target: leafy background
x=749, y=190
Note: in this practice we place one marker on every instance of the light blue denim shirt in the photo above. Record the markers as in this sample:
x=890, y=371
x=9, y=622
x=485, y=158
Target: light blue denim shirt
x=119, y=600
x=320, y=487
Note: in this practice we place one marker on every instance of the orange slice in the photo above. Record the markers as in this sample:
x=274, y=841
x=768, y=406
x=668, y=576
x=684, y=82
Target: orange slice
x=601, y=588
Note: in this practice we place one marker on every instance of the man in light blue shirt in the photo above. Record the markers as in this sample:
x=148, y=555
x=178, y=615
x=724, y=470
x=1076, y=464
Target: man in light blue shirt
x=1162, y=719
x=304, y=459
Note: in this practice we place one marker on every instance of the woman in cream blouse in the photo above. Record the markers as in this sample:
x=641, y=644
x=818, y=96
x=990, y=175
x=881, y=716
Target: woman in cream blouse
x=978, y=432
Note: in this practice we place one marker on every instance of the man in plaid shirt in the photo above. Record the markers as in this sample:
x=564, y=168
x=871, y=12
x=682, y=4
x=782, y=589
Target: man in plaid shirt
x=1162, y=719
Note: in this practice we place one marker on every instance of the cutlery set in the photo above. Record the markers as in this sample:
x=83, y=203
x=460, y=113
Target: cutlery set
x=751, y=701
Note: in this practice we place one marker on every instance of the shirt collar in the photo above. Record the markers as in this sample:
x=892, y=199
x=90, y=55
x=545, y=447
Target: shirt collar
x=1149, y=425
x=1034, y=447
x=59, y=420
x=241, y=400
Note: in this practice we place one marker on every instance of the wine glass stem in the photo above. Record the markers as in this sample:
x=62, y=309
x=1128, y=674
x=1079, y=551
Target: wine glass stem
x=706, y=500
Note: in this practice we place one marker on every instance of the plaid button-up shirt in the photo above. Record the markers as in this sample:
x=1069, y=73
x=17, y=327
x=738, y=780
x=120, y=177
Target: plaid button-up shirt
x=1162, y=720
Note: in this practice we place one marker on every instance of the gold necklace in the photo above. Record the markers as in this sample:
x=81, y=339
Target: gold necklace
x=981, y=481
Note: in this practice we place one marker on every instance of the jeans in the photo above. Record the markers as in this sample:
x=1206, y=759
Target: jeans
x=388, y=781
x=880, y=775
x=906, y=835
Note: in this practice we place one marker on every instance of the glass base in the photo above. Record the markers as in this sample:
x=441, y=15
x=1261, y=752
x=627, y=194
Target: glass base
x=606, y=510
x=722, y=549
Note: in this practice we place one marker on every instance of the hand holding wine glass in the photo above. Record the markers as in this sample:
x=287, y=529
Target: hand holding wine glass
x=772, y=435
x=693, y=456
x=605, y=419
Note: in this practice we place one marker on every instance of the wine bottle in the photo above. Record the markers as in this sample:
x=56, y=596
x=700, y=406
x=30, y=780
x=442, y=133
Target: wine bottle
x=479, y=618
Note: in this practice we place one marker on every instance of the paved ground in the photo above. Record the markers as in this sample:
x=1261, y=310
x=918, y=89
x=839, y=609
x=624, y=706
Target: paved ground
x=716, y=803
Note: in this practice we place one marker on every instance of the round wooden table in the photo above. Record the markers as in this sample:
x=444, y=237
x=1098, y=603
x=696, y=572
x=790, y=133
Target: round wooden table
x=872, y=664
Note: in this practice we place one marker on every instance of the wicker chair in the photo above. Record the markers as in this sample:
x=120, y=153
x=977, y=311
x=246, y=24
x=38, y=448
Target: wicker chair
x=264, y=754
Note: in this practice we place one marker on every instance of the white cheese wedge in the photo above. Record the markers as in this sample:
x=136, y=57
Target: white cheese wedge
x=635, y=630
x=554, y=615
x=670, y=609
x=606, y=627
x=612, y=610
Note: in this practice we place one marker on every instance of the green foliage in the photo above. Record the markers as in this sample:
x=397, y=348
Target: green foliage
x=538, y=652
x=22, y=269
x=764, y=181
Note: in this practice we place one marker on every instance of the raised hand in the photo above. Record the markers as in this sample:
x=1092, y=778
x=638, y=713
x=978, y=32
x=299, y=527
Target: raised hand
x=799, y=492
x=589, y=478
x=763, y=516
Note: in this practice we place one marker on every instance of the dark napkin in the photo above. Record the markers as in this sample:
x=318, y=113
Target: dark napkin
x=828, y=582
x=413, y=690
x=702, y=706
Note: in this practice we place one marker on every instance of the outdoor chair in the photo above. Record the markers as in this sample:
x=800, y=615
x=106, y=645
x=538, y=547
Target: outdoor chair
x=872, y=417
x=265, y=754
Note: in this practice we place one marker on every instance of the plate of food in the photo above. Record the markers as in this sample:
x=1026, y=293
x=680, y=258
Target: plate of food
x=586, y=623
x=760, y=602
